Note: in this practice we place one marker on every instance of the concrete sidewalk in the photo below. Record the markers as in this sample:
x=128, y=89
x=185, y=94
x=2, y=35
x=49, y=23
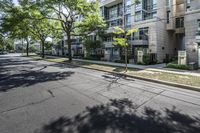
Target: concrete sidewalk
x=157, y=67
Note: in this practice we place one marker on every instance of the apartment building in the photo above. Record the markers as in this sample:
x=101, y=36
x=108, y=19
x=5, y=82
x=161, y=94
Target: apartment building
x=164, y=27
x=192, y=30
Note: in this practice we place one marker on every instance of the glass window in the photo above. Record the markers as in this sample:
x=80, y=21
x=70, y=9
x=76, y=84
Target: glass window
x=127, y=6
x=142, y=34
x=180, y=22
x=115, y=23
x=138, y=16
x=128, y=19
x=168, y=16
x=113, y=12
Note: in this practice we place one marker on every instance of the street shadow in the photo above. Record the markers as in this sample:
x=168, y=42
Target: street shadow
x=64, y=65
x=28, y=78
x=114, y=78
x=120, y=116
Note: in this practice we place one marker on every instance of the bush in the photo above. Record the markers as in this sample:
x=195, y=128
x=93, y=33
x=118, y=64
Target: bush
x=94, y=57
x=177, y=66
x=149, y=59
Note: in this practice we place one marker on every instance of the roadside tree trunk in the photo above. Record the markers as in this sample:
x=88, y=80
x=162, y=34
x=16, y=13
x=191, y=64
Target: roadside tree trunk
x=126, y=58
x=69, y=46
x=27, y=47
x=43, y=49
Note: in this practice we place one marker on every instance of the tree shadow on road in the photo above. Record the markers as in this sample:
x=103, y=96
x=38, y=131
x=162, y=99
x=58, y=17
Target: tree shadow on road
x=28, y=78
x=114, y=78
x=120, y=116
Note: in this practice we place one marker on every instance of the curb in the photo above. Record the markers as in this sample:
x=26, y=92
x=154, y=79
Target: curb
x=187, y=87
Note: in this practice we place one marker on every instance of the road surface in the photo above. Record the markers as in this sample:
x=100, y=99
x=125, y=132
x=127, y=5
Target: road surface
x=44, y=97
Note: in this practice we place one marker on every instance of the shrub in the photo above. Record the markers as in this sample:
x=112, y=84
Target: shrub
x=177, y=66
x=149, y=59
x=94, y=57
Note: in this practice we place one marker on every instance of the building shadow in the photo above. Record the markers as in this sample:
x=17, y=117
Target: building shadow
x=120, y=116
x=28, y=78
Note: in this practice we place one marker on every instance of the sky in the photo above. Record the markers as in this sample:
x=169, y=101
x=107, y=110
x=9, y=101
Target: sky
x=15, y=1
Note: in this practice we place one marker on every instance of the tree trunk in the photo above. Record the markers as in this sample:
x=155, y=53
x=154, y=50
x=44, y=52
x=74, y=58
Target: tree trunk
x=69, y=46
x=126, y=58
x=22, y=46
x=42, y=49
x=63, y=42
x=27, y=47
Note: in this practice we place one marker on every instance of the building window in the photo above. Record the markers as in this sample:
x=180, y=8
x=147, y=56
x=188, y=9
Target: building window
x=128, y=20
x=138, y=7
x=198, y=21
x=180, y=22
x=168, y=3
x=138, y=16
x=198, y=26
x=127, y=6
x=148, y=9
x=114, y=23
x=168, y=16
x=113, y=12
x=142, y=34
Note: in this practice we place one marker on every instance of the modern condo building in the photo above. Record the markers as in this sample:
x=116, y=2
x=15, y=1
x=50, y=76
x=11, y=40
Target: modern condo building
x=164, y=27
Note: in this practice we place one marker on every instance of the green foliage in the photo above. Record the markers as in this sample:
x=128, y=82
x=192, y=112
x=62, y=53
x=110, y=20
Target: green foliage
x=6, y=44
x=147, y=60
x=91, y=23
x=92, y=44
x=94, y=57
x=48, y=45
x=123, y=40
x=137, y=2
x=66, y=13
x=177, y=66
x=32, y=48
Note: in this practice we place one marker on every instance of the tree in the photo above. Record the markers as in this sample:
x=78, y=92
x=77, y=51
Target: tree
x=25, y=21
x=92, y=45
x=121, y=39
x=14, y=23
x=66, y=13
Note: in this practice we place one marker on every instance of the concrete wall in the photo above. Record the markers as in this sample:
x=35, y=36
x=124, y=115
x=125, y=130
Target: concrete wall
x=190, y=35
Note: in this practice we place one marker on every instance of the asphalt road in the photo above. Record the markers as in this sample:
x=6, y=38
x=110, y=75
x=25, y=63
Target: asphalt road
x=44, y=97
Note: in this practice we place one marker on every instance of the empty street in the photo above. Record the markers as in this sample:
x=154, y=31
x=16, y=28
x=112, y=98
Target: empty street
x=46, y=97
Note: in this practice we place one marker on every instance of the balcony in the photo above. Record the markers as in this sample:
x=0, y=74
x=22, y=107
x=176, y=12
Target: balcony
x=180, y=30
x=170, y=26
x=139, y=42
